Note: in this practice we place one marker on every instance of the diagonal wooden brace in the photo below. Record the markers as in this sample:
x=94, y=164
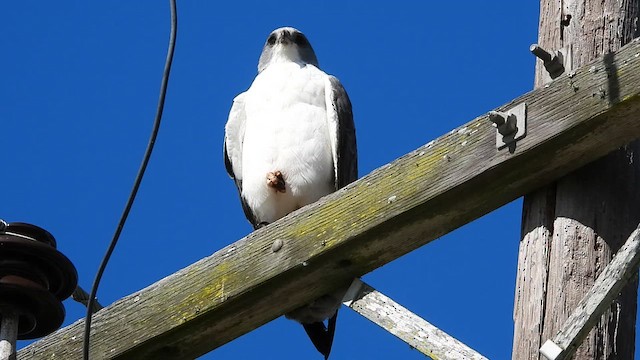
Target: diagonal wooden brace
x=404, y=324
x=589, y=310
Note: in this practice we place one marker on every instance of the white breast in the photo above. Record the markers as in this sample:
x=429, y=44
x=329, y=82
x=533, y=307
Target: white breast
x=286, y=131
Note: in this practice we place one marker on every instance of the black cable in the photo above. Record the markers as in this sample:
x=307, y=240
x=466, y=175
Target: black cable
x=136, y=184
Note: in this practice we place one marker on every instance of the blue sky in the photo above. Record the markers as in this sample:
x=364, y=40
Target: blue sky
x=77, y=99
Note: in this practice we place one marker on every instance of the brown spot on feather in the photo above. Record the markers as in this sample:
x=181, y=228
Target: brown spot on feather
x=276, y=180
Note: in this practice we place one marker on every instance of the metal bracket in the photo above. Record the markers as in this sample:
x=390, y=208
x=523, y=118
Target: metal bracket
x=510, y=126
x=556, y=63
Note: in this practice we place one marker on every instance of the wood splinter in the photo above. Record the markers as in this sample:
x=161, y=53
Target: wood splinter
x=276, y=181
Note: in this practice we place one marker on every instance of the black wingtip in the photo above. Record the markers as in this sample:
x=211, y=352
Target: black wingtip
x=322, y=336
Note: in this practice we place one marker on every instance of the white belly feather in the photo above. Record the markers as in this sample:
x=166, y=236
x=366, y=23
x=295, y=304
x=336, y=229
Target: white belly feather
x=286, y=131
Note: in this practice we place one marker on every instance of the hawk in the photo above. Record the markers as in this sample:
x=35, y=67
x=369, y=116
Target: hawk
x=289, y=140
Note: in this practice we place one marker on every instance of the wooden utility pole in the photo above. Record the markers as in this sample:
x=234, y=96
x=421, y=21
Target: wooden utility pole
x=573, y=227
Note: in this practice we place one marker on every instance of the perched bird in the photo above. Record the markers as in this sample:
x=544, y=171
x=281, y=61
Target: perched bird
x=289, y=140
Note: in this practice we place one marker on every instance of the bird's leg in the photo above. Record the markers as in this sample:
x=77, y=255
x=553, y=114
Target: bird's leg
x=276, y=181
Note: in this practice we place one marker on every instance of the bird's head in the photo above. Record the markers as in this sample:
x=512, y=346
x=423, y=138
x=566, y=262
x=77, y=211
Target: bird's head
x=286, y=44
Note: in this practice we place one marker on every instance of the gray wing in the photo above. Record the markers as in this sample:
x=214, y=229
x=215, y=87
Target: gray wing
x=342, y=132
x=232, y=150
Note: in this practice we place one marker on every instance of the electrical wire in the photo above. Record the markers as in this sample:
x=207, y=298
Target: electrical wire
x=138, y=180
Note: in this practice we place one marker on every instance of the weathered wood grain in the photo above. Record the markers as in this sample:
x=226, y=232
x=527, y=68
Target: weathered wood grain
x=572, y=227
x=533, y=272
x=390, y=212
x=404, y=324
x=589, y=310
x=538, y=215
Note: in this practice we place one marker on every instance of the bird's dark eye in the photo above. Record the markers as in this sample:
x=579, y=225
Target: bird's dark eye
x=300, y=39
x=272, y=39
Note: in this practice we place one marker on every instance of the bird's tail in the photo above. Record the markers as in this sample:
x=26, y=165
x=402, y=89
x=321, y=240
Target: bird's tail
x=321, y=335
